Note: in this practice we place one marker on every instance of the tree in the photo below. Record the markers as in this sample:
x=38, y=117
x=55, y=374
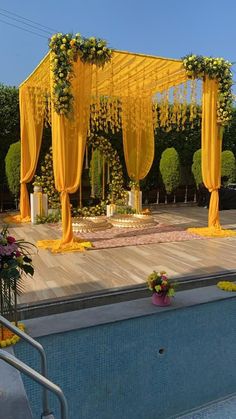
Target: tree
x=12, y=164
x=95, y=173
x=9, y=122
x=197, y=167
x=170, y=169
x=228, y=166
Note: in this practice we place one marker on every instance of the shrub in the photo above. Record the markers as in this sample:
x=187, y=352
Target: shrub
x=95, y=172
x=170, y=169
x=228, y=166
x=46, y=181
x=12, y=165
x=197, y=167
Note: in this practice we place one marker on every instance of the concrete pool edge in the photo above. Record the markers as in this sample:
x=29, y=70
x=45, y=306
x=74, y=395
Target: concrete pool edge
x=114, y=295
x=110, y=313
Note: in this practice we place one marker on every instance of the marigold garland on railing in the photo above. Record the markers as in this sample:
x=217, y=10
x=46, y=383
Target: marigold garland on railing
x=227, y=286
x=9, y=338
x=65, y=49
x=199, y=67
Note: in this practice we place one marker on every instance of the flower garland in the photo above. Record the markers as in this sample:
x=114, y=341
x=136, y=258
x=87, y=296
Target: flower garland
x=47, y=182
x=9, y=338
x=116, y=187
x=65, y=49
x=227, y=286
x=199, y=67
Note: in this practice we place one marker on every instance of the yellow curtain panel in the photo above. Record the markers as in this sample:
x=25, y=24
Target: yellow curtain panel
x=211, y=160
x=138, y=136
x=31, y=125
x=68, y=145
x=211, y=149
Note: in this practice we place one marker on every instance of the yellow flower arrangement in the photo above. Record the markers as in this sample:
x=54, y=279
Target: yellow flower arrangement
x=197, y=67
x=159, y=283
x=9, y=338
x=227, y=286
x=66, y=48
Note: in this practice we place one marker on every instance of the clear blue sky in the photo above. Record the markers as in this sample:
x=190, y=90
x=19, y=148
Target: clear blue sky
x=168, y=28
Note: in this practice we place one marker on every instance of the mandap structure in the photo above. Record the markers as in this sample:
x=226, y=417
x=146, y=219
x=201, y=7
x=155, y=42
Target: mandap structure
x=82, y=87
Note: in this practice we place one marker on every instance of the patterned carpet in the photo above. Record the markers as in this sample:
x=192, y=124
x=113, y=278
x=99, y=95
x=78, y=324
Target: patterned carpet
x=119, y=237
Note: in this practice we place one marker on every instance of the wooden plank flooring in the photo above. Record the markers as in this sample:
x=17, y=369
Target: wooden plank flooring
x=62, y=275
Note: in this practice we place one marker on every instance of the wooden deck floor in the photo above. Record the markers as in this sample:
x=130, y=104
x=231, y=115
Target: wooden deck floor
x=62, y=275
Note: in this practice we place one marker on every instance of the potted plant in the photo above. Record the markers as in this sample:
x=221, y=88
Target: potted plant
x=161, y=287
x=15, y=261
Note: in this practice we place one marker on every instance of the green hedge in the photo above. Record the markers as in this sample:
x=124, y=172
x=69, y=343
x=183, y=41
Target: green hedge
x=228, y=166
x=170, y=169
x=12, y=166
x=197, y=167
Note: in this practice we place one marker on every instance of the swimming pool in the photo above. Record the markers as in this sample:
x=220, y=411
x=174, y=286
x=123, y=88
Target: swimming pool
x=135, y=361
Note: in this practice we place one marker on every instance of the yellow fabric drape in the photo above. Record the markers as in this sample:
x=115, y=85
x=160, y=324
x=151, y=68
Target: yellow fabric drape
x=138, y=136
x=68, y=145
x=31, y=137
x=211, y=159
x=211, y=149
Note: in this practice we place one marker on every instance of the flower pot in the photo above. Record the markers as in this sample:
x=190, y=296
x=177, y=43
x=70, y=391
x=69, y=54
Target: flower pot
x=160, y=300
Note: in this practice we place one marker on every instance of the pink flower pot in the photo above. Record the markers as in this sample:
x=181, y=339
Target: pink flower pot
x=160, y=300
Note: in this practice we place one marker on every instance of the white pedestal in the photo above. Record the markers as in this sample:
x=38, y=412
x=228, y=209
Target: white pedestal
x=35, y=206
x=111, y=210
x=131, y=200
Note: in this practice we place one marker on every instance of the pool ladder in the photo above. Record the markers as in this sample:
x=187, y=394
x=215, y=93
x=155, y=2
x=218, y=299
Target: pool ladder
x=34, y=375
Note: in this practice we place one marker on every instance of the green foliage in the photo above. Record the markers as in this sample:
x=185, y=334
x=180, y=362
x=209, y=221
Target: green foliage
x=9, y=123
x=125, y=209
x=51, y=218
x=9, y=112
x=228, y=166
x=95, y=172
x=46, y=181
x=96, y=210
x=116, y=187
x=229, y=138
x=66, y=48
x=197, y=167
x=170, y=169
x=12, y=163
x=218, y=69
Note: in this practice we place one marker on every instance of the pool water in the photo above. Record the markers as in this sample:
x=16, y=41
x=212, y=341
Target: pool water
x=154, y=366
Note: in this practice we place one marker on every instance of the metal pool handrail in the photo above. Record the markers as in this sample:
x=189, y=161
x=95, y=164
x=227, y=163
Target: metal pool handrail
x=40, y=349
x=22, y=367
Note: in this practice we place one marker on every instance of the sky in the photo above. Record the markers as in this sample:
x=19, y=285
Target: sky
x=167, y=28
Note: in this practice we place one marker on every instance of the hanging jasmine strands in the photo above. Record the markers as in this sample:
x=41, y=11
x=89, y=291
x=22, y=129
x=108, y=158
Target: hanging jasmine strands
x=86, y=157
x=80, y=193
x=103, y=177
x=108, y=172
x=92, y=175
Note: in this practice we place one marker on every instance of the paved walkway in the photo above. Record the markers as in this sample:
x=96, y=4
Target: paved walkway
x=63, y=275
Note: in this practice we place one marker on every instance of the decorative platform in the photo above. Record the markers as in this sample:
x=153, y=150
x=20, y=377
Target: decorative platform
x=132, y=220
x=90, y=224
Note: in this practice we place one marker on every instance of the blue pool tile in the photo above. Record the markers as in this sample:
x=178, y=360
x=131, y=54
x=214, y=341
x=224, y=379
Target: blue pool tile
x=224, y=409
